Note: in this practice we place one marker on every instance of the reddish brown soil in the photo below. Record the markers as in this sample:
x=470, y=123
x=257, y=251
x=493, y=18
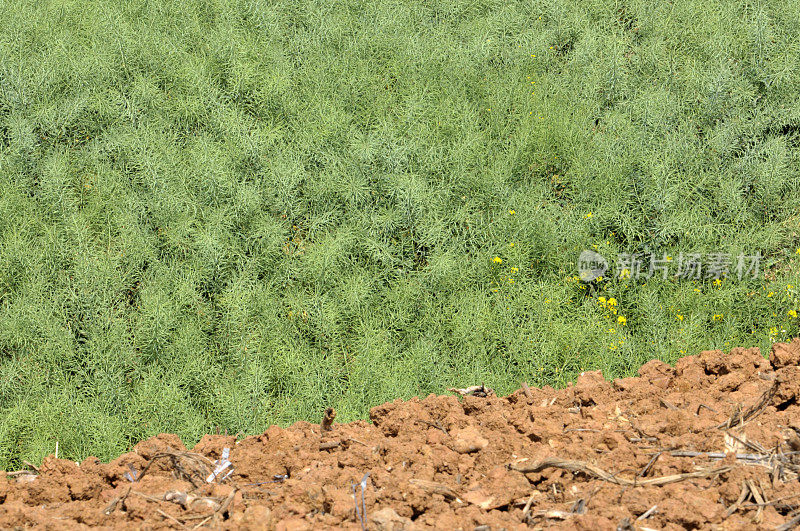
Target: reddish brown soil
x=473, y=463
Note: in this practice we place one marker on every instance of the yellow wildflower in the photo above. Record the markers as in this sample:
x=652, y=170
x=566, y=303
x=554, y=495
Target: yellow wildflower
x=497, y=260
x=612, y=301
x=792, y=313
x=621, y=320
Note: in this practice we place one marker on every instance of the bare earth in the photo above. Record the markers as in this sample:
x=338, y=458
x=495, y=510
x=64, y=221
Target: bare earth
x=713, y=443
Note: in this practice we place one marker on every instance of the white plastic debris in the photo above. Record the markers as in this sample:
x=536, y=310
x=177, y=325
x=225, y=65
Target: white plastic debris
x=220, y=466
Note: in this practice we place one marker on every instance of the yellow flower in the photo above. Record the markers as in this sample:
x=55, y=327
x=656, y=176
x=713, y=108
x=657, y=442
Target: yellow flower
x=770, y=294
x=497, y=260
x=797, y=251
x=697, y=290
x=626, y=273
x=717, y=282
x=610, y=330
x=512, y=212
x=792, y=313
x=718, y=316
x=511, y=244
x=612, y=301
x=599, y=278
x=621, y=320
x=514, y=269
x=587, y=216
x=547, y=301
x=680, y=317
x=601, y=300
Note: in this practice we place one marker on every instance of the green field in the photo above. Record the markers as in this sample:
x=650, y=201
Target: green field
x=229, y=214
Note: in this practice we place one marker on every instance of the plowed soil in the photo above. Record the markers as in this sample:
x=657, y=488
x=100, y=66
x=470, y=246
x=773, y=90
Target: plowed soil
x=712, y=443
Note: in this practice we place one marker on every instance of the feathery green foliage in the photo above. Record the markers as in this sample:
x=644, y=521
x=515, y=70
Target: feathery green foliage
x=228, y=214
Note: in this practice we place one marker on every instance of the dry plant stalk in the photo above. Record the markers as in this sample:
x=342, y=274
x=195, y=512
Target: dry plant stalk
x=189, y=466
x=740, y=417
x=599, y=473
x=474, y=390
x=436, y=488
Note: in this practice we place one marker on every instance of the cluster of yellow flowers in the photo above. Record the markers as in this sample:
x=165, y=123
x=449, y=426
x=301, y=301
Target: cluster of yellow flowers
x=779, y=332
x=617, y=339
x=773, y=333
x=610, y=305
x=506, y=278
